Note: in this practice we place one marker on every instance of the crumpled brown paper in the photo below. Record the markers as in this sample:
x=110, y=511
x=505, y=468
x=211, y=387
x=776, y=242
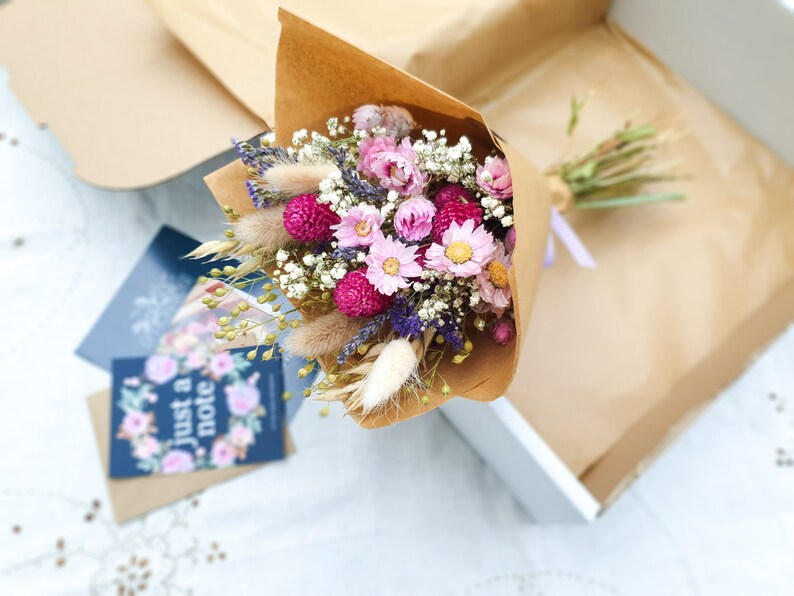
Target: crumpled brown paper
x=317, y=76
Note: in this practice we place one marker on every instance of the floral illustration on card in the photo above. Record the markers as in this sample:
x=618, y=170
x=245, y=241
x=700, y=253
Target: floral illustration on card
x=182, y=452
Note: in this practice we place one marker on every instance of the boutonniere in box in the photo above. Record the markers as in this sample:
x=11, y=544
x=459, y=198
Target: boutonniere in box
x=406, y=236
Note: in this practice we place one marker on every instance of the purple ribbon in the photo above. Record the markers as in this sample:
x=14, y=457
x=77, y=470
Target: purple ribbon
x=570, y=241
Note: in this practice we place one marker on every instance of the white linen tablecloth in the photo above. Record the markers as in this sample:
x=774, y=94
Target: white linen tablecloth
x=405, y=510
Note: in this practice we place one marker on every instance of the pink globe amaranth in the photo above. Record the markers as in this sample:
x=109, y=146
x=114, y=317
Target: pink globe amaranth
x=494, y=178
x=455, y=212
x=450, y=193
x=355, y=296
x=307, y=220
x=421, y=255
x=504, y=331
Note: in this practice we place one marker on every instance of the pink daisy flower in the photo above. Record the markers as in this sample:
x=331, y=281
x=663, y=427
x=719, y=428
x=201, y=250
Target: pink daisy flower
x=390, y=262
x=464, y=250
x=360, y=227
x=493, y=281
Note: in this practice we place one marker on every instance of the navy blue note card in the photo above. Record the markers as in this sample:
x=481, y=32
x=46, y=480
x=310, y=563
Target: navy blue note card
x=143, y=308
x=175, y=413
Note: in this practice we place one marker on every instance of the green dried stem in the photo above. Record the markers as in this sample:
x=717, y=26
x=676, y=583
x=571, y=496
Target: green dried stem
x=615, y=172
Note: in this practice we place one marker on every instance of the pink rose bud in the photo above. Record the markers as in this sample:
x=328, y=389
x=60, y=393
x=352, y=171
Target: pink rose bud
x=503, y=331
x=494, y=178
x=414, y=218
x=396, y=121
x=510, y=240
x=367, y=117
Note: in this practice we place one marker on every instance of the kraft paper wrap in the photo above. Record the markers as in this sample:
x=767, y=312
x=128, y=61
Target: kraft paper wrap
x=317, y=76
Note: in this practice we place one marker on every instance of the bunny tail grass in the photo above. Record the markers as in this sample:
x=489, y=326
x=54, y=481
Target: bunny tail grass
x=264, y=228
x=394, y=367
x=294, y=179
x=327, y=334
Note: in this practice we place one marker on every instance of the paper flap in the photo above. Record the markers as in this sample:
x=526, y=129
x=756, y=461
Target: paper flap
x=129, y=103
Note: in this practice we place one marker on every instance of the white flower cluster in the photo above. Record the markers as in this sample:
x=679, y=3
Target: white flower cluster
x=333, y=192
x=452, y=163
x=453, y=295
x=296, y=276
x=493, y=208
x=389, y=205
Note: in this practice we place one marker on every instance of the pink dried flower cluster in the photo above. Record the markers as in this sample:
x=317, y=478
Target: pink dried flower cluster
x=405, y=221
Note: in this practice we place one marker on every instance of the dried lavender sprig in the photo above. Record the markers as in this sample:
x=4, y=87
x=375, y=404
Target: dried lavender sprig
x=261, y=158
x=367, y=331
x=361, y=189
x=261, y=197
x=450, y=331
x=348, y=254
x=404, y=319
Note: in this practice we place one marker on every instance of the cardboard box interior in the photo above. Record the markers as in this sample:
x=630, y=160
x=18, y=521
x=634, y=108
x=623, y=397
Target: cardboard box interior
x=616, y=360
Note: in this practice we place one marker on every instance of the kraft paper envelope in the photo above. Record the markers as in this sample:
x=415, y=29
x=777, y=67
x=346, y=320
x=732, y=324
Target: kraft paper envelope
x=127, y=99
x=131, y=497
